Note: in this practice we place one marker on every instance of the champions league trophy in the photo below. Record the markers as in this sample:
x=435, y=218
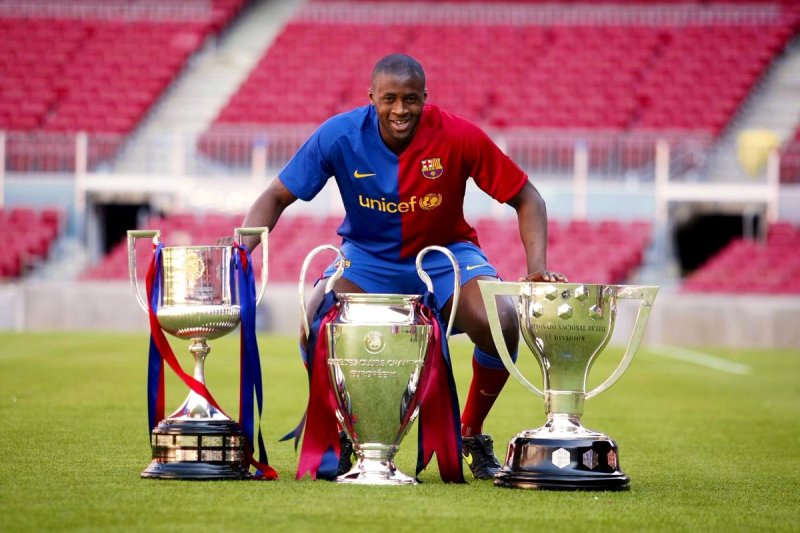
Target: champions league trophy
x=197, y=303
x=566, y=326
x=377, y=346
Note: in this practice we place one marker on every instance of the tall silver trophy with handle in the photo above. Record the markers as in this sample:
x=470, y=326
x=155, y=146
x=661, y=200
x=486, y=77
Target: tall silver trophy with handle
x=377, y=347
x=198, y=302
x=566, y=326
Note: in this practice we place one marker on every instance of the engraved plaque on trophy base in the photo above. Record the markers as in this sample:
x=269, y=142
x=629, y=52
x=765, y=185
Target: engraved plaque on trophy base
x=546, y=463
x=197, y=450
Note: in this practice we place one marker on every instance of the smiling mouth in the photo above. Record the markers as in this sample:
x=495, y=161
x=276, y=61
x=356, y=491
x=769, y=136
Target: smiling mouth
x=400, y=125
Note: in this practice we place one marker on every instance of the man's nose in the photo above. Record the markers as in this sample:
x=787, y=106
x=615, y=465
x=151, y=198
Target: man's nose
x=399, y=107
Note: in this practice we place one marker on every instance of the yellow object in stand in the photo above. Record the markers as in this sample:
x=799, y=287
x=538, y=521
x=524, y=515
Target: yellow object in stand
x=753, y=149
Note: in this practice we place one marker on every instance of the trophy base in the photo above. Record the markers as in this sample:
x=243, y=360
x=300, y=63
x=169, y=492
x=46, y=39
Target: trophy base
x=562, y=464
x=373, y=472
x=197, y=450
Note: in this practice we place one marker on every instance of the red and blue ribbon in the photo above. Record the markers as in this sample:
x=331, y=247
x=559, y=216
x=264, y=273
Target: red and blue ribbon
x=319, y=455
x=439, y=417
x=250, y=364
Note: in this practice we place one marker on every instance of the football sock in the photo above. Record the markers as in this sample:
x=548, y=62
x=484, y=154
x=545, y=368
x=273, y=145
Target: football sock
x=488, y=377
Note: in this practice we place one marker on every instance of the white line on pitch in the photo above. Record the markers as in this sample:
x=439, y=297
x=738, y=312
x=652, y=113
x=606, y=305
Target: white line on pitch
x=700, y=358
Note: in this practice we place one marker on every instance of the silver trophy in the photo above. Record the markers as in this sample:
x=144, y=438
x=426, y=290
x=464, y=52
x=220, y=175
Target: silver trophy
x=377, y=350
x=566, y=326
x=197, y=303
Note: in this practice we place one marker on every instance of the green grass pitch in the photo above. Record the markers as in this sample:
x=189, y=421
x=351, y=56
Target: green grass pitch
x=706, y=449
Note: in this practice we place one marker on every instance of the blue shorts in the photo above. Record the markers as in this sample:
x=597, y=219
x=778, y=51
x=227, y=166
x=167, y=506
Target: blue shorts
x=376, y=275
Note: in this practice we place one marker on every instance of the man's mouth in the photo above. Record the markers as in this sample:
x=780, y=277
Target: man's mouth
x=400, y=125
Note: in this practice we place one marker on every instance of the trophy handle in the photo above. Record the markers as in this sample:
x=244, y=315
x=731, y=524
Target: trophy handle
x=328, y=286
x=646, y=294
x=132, y=236
x=264, y=232
x=429, y=284
x=490, y=290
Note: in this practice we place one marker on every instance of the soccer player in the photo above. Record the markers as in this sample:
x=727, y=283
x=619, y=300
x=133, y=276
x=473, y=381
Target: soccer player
x=401, y=167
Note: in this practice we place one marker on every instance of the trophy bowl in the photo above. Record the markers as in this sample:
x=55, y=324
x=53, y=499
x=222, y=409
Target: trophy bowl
x=377, y=352
x=197, y=302
x=566, y=326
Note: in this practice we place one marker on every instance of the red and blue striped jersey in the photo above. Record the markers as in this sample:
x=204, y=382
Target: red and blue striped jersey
x=397, y=205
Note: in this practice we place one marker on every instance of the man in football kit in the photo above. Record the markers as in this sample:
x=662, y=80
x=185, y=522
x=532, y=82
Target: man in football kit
x=401, y=167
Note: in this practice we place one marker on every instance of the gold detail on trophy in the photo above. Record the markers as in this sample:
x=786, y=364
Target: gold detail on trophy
x=565, y=311
x=194, y=266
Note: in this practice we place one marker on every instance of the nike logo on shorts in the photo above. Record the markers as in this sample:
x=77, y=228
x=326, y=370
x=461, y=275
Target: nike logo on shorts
x=358, y=175
x=473, y=267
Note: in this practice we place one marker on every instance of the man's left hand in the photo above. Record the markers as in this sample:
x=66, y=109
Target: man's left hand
x=545, y=275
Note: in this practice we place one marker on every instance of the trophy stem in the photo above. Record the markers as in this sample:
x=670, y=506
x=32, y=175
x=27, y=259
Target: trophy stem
x=195, y=406
x=565, y=402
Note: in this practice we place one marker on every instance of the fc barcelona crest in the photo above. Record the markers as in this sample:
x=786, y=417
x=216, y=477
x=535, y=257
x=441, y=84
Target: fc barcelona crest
x=432, y=168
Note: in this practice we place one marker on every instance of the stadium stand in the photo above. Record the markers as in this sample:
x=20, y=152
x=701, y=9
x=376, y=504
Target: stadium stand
x=678, y=69
x=88, y=67
x=790, y=159
x=748, y=266
x=580, y=249
x=27, y=235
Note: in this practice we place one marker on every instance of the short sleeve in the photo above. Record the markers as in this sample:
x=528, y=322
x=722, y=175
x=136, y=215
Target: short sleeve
x=493, y=171
x=308, y=170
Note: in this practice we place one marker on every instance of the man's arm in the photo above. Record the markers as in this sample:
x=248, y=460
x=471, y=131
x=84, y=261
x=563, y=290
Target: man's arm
x=266, y=210
x=532, y=216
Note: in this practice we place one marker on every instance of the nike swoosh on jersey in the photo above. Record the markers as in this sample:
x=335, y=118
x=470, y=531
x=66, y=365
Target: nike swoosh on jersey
x=358, y=175
x=473, y=267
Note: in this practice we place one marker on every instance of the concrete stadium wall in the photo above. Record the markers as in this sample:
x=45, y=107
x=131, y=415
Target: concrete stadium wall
x=689, y=320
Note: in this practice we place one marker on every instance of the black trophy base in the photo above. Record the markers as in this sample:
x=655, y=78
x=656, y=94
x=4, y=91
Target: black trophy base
x=562, y=464
x=197, y=450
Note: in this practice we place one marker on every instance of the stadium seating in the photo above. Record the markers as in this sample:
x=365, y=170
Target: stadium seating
x=590, y=76
x=27, y=235
x=621, y=80
x=598, y=252
x=97, y=72
x=747, y=266
x=790, y=159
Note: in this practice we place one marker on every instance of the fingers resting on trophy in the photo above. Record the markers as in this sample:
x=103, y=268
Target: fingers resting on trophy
x=545, y=275
x=225, y=241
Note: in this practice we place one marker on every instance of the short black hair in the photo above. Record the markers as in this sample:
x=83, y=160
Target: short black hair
x=399, y=65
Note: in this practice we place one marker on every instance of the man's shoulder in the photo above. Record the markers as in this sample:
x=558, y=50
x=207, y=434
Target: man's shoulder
x=453, y=123
x=347, y=122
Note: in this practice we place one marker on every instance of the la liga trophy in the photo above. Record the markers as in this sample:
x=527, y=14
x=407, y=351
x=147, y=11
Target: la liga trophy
x=195, y=300
x=566, y=326
x=377, y=354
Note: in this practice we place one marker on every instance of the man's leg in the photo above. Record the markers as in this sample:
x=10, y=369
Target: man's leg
x=489, y=375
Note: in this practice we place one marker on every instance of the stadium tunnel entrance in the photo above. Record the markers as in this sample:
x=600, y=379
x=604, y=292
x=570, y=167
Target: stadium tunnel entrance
x=700, y=233
x=109, y=221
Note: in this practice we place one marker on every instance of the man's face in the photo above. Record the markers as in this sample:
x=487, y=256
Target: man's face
x=398, y=100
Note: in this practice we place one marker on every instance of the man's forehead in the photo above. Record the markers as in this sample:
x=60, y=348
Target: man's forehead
x=389, y=82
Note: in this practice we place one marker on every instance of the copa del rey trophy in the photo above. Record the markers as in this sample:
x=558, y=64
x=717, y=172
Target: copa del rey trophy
x=376, y=363
x=192, y=295
x=566, y=326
